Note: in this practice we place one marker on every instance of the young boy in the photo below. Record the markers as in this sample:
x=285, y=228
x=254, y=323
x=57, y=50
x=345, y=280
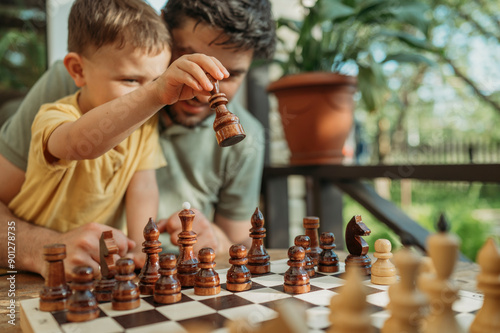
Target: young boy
x=94, y=148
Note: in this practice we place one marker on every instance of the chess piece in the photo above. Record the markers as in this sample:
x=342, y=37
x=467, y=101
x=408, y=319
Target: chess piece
x=187, y=263
x=167, y=287
x=328, y=261
x=107, y=250
x=357, y=246
x=207, y=280
x=311, y=226
x=406, y=302
x=349, y=310
x=258, y=259
x=296, y=277
x=238, y=276
x=442, y=293
x=125, y=292
x=151, y=246
x=227, y=127
x=487, y=319
x=82, y=304
x=304, y=242
x=55, y=293
x=383, y=270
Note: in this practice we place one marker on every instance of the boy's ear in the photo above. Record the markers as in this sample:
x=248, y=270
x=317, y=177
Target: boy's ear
x=74, y=65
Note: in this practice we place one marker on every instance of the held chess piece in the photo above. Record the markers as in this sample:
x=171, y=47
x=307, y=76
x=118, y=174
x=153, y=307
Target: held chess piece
x=304, y=242
x=227, y=127
x=488, y=281
x=258, y=259
x=207, y=280
x=168, y=287
x=357, y=246
x=107, y=250
x=328, y=260
x=125, y=292
x=82, y=305
x=296, y=277
x=187, y=263
x=383, y=270
x=55, y=293
x=311, y=226
x=238, y=277
x=151, y=246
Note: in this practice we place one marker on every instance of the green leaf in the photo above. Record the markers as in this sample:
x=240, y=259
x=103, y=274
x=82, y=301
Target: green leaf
x=332, y=10
x=410, y=58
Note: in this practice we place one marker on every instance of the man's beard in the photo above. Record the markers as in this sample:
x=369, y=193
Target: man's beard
x=186, y=121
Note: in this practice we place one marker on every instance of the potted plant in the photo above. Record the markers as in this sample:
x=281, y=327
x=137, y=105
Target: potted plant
x=335, y=39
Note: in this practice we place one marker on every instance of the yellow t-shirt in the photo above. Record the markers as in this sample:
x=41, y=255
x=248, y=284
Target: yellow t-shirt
x=69, y=193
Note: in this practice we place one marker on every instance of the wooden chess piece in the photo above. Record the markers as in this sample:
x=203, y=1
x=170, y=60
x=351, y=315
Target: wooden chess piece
x=151, y=246
x=167, y=287
x=304, y=242
x=227, y=127
x=296, y=277
x=125, y=292
x=207, y=280
x=328, y=261
x=383, y=270
x=311, y=226
x=187, y=263
x=238, y=277
x=488, y=281
x=258, y=258
x=55, y=293
x=406, y=303
x=82, y=304
x=107, y=250
x=357, y=246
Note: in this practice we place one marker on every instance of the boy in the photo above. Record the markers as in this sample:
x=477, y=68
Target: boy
x=94, y=148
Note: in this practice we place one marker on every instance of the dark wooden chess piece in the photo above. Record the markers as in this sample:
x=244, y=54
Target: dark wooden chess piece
x=258, y=258
x=296, y=277
x=151, y=246
x=207, y=280
x=107, y=250
x=357, y=246
x=328, y=260
x=238, y=276
x=187, y=263
x=125, y=292
x=304, y=241
x=227, y=127
x=55, y=293
x=311, y=226
x=82, y=304
x=168, y=287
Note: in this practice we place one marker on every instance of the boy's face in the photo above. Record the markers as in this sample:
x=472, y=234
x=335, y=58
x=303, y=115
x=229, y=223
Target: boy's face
x=192, y=38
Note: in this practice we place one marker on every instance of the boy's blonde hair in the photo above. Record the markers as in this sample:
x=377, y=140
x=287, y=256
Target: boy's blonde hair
x=93, y=24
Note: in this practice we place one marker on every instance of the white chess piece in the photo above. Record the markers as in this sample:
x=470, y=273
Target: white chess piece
x=383, y=270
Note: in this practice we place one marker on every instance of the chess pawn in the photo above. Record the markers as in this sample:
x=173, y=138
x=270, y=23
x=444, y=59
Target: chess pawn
x=357, y=246
x=383, y=270
x=55, y=293
x=258, y=259
x=238, y=276
x=82, y=304
x=107, y=250
x=328, y=261
x=125, y=292
x=304, y=242
x=167, y=287
x=311, y=226
x=296, y=277
x=151, y=246
x=207, y=280
x=187, y=263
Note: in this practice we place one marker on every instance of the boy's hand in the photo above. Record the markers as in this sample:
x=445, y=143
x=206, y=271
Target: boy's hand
x=186, y=78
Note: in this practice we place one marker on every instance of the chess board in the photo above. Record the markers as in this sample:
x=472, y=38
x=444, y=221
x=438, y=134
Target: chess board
x=257, y=305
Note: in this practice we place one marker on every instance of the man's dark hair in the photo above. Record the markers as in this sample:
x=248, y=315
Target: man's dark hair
x=248, y=24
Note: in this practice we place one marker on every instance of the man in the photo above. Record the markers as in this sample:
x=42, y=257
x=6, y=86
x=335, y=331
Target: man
x=223, y=182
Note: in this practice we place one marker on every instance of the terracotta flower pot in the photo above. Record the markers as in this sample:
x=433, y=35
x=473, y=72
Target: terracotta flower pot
x=317, y=114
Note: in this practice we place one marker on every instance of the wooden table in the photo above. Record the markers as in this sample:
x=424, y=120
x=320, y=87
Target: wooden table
x=28, y=285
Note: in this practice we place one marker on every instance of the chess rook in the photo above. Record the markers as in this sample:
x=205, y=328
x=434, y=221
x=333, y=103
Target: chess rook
x=151, y=246
x=207, y=280
x=328, y=261
x=107, y=250
x=168, y=287
x=296, y=277
x=258, y=258
x=125, y=292
x=304, y=242
x=357, y=246
x=311, y=226
x=82, y=304
x=55, y=293
x=383, y=270
x=187, y=263
x=238, y=277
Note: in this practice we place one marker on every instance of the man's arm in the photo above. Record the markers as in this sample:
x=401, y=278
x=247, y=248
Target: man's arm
x=12, y=179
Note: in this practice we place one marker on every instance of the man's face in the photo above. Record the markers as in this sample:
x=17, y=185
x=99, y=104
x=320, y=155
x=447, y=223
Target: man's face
x=200, y=39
